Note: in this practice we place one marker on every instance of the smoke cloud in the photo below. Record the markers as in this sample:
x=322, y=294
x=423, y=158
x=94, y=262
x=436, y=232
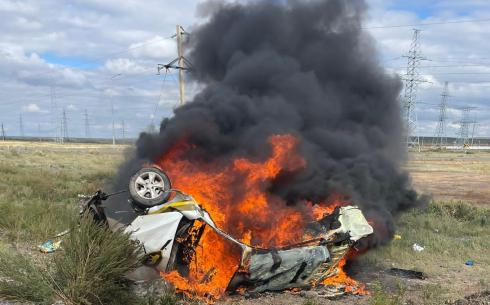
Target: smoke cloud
x=300, y=67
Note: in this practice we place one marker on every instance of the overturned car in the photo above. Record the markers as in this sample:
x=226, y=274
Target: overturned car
x=170, y=223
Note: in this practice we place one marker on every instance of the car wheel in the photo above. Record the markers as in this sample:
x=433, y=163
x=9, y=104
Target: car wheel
x=149, y=187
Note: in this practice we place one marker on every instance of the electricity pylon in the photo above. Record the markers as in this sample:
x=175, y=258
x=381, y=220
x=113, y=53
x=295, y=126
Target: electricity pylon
x=412, y=80
x=440, y=134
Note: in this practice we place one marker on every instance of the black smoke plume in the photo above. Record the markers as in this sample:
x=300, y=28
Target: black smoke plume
x=301, y=67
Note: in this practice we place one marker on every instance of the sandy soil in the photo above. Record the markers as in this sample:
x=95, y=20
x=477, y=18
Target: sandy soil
x=453, y=176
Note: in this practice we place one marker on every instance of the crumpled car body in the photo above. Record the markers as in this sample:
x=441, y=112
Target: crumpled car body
x=168, y=236
x=295, y=266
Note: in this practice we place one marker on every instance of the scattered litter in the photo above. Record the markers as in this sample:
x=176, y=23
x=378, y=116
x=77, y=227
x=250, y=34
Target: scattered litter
x=62, y=233
x=406, y=273
x=49, y=246
x=397, y=237
x=469, y=262
x=418, y=248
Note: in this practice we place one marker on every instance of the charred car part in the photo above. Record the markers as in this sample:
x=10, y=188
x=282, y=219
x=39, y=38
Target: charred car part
x=171, y=223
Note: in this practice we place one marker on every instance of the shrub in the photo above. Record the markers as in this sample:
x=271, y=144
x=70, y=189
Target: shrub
x=93, y=265
x=90, y=270
x=21, y=280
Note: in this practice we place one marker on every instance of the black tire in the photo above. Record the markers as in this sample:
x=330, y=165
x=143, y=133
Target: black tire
x=146, y=193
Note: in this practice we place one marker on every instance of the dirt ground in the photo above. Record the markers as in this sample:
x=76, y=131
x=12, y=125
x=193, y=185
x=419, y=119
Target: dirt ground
x=454, y=176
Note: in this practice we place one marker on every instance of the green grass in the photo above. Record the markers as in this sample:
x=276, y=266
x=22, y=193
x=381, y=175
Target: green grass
x=451, y=233
x=21, y=279
x=39, y=188
x=381, y=296
x=168, y=298
x=91, y=269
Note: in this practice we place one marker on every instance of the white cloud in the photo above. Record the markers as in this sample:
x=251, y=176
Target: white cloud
x=131, y=37
x=124, y=66
x=31, y=108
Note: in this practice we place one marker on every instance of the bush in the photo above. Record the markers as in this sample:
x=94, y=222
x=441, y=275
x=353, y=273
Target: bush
x=21, y=280
x=92, y=267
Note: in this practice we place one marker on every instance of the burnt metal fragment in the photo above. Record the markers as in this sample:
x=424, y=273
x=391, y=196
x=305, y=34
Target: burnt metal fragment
x=406, y=273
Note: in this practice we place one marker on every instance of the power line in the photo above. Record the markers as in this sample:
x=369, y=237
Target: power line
x=440, y=134
x=39, y=131
x=123, y=126
x=180, y=63
x=427, y=24
x=21, y=125
x=87, y=124
x=3, y=133
x=64, y=127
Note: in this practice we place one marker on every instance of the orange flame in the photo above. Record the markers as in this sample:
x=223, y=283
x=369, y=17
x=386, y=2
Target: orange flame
x=341, y=279
x=235, y=193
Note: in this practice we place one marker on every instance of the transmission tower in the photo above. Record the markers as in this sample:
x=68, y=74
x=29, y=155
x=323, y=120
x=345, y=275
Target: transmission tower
x=3, y=133
x=475, y=127
x=87, y=124
x=464, y=129
x=440, y=135
x=54, y=111
x=410, y=91
x=21, y=125
x=64, y=127
x=123, y=125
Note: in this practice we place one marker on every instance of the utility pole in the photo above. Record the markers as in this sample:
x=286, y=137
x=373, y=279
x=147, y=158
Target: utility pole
x=112, y=110
x=181, y=61
x=3, y=133
x=113, y=125
x=180, y=54
x=440, y=135
x=123, y=130
x=21, y=125
x=410, y=91
x=54, y=110
x=87, y=124
x=39, y=131
x=64, y=127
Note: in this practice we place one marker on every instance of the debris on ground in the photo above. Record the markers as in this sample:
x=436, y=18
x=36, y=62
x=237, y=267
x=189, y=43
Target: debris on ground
x=406, y=273
x=397, y=237
x=481, y=298
x=418, y=248
x=50, y=246
x=469, y=262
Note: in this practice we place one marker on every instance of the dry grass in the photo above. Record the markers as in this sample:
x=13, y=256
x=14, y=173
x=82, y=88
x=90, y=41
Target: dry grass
x=40, y=183
x=452, y=175
x=91, y=269
x=451, y=233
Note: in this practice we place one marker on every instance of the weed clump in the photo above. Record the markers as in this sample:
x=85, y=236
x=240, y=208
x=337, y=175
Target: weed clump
x=91, y=269
x=21, y=279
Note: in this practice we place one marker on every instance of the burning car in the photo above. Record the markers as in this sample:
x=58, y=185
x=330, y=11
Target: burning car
x=170, y=225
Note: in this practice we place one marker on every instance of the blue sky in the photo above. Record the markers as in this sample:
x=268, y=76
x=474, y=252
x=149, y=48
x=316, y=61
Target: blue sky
x=60, y=56
x=71, y=62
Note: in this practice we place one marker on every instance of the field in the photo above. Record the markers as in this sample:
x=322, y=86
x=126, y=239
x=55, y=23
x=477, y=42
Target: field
x=452, y=176
x=40, y=182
